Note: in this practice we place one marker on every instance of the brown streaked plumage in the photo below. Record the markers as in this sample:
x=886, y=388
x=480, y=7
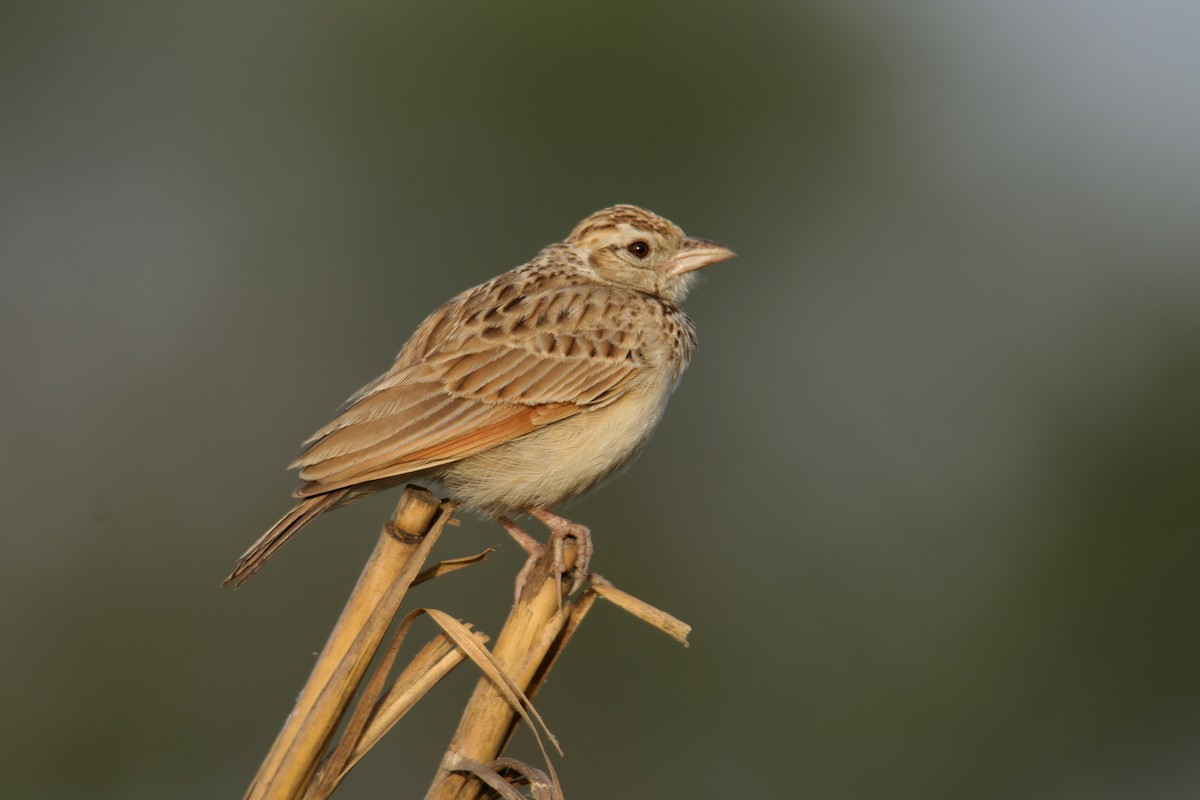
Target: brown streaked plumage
x=524, y=391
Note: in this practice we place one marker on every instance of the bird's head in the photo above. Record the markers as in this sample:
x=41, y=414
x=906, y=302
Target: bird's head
x=632, y=247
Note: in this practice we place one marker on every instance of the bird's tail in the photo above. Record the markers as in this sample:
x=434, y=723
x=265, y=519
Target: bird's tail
x=303, y=513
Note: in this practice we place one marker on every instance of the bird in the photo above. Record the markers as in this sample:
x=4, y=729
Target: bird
x=523, y=392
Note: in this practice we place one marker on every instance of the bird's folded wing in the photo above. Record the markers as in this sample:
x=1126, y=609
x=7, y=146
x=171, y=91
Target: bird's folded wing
x=489, y=385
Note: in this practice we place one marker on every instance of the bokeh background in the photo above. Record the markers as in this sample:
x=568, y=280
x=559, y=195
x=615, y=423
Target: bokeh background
x=929, y=492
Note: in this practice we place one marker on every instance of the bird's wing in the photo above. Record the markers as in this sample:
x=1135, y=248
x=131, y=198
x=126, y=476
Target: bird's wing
x=487, y=372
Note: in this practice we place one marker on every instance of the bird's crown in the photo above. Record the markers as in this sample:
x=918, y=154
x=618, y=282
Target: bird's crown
x=629, y=246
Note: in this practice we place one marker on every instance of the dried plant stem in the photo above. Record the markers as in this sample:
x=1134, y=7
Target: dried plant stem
x=303, y=764
x=521, y=650
x=402, y=549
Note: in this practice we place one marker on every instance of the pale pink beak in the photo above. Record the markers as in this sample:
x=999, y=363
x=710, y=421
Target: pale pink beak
x=697, y=253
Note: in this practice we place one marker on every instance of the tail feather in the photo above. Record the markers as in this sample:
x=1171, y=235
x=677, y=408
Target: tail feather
x=303, y=513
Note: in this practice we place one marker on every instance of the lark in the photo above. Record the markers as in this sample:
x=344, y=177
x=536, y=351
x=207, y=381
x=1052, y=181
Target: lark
x=523, y=392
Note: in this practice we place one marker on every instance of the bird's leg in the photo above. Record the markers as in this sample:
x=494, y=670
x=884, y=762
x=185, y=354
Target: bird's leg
x=531, y=546
x=561, y=528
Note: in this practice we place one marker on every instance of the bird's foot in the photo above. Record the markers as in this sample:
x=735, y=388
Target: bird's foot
x=532, y=547
x=560, y=529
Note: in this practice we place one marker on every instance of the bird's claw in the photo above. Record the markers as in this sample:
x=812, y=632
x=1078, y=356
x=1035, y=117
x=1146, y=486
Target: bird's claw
x=560, y=529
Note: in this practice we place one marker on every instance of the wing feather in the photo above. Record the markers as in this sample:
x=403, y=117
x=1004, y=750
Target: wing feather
x=507, y=364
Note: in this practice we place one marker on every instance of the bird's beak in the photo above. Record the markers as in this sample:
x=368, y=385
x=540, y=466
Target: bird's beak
x=696, y=253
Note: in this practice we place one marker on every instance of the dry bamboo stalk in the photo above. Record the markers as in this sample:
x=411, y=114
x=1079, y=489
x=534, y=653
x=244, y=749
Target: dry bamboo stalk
x=600, y=587
x=378, y=710
x=579, y=609
x=403, y=547
x=537, y=630
x=532, y=627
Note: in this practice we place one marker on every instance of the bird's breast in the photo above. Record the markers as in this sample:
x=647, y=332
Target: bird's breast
x=564, y=459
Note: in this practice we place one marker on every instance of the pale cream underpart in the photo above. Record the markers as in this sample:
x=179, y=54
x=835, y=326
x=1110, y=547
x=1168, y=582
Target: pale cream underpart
x=565, y=459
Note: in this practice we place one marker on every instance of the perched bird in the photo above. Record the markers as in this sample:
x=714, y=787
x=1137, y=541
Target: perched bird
x=522, y=392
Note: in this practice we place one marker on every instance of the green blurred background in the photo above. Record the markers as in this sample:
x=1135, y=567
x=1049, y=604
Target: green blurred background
x=929, y=492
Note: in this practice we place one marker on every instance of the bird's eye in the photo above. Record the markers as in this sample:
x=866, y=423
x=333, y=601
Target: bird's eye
x=639, y=248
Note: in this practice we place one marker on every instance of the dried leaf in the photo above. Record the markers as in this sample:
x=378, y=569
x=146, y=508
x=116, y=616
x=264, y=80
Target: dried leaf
x=487, y=663
x=450, y=565
x=539, y=782
x=456, y=762
x=433, y=663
